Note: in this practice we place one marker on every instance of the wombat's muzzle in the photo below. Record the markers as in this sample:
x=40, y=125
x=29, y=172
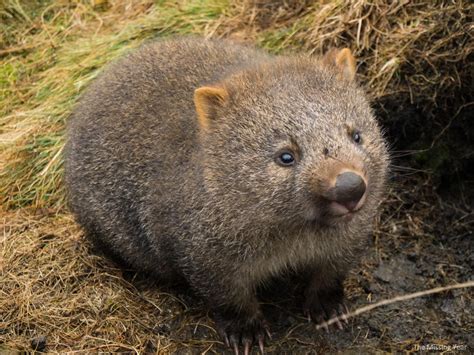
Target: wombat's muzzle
x=348, y=191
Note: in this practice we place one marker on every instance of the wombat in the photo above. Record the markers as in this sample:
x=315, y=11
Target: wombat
x=224, y=166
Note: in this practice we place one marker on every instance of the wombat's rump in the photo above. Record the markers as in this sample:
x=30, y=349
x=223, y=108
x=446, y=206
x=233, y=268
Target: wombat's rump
x=223, y=166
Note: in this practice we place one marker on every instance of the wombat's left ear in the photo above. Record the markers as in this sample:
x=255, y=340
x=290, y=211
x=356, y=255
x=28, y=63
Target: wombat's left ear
x=207, y=100
x=343, y=60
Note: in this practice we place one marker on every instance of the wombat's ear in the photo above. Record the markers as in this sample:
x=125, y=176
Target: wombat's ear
x=207, y=99
x=343, y=60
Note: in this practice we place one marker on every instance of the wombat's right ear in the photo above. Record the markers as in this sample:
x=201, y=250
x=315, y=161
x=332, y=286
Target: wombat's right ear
x=343, y=60
x=207, y=99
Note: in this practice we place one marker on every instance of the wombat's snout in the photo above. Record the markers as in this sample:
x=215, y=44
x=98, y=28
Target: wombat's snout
x=347, y=193
x=349, y=189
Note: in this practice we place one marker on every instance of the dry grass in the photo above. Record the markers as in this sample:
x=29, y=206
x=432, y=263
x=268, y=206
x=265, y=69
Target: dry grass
x=419, y=52
x=52, y=286
x=421, y=47
x=416, y=53
x=58, y=53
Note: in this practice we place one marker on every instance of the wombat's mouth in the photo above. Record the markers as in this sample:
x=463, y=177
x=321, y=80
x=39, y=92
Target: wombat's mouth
x=340, y=215
x=335, y=212
x=330, y=213
x=338, y=209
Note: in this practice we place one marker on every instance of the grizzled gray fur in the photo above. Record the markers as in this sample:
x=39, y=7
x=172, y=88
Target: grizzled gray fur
x=224, y=166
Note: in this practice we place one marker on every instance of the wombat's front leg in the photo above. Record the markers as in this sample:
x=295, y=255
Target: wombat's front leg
x=324, y=297
x=243, y=325
x=233, y=303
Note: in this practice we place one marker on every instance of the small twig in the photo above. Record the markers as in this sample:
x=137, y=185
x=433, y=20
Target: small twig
x=394, y=300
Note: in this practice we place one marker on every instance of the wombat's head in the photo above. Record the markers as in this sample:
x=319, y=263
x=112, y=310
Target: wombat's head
x=292, y=141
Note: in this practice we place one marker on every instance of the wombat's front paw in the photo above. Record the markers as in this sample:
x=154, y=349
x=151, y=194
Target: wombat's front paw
x=322, y=305
x=239, y=331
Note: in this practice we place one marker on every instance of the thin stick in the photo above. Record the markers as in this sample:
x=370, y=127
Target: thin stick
x=394, y=300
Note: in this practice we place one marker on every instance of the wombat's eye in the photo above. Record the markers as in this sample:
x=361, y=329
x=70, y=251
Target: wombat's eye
x=356, y=137
x=285, y=158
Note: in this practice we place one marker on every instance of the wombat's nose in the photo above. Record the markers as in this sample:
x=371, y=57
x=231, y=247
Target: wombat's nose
x=349, y=189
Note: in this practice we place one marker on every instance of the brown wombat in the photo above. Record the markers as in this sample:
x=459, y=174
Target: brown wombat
x=218, y=164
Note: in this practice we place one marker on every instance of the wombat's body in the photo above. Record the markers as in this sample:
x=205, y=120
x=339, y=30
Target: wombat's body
x=250, y=179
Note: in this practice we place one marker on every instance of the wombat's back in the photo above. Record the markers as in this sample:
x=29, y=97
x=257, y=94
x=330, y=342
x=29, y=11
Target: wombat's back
x=135, y=127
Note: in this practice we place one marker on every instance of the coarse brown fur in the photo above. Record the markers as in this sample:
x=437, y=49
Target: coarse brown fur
x=192, y=190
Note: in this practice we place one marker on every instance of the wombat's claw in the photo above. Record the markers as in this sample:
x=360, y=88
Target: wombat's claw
x=226, y=340
x=307, y=314
x=235, y=345
x=343, y=310
x=320, y=321
x=247, y=344
x=267, y=331
x=247, y=335
x=261, y=342
x=335, y=315
x=319, y=318
x=324, y=306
